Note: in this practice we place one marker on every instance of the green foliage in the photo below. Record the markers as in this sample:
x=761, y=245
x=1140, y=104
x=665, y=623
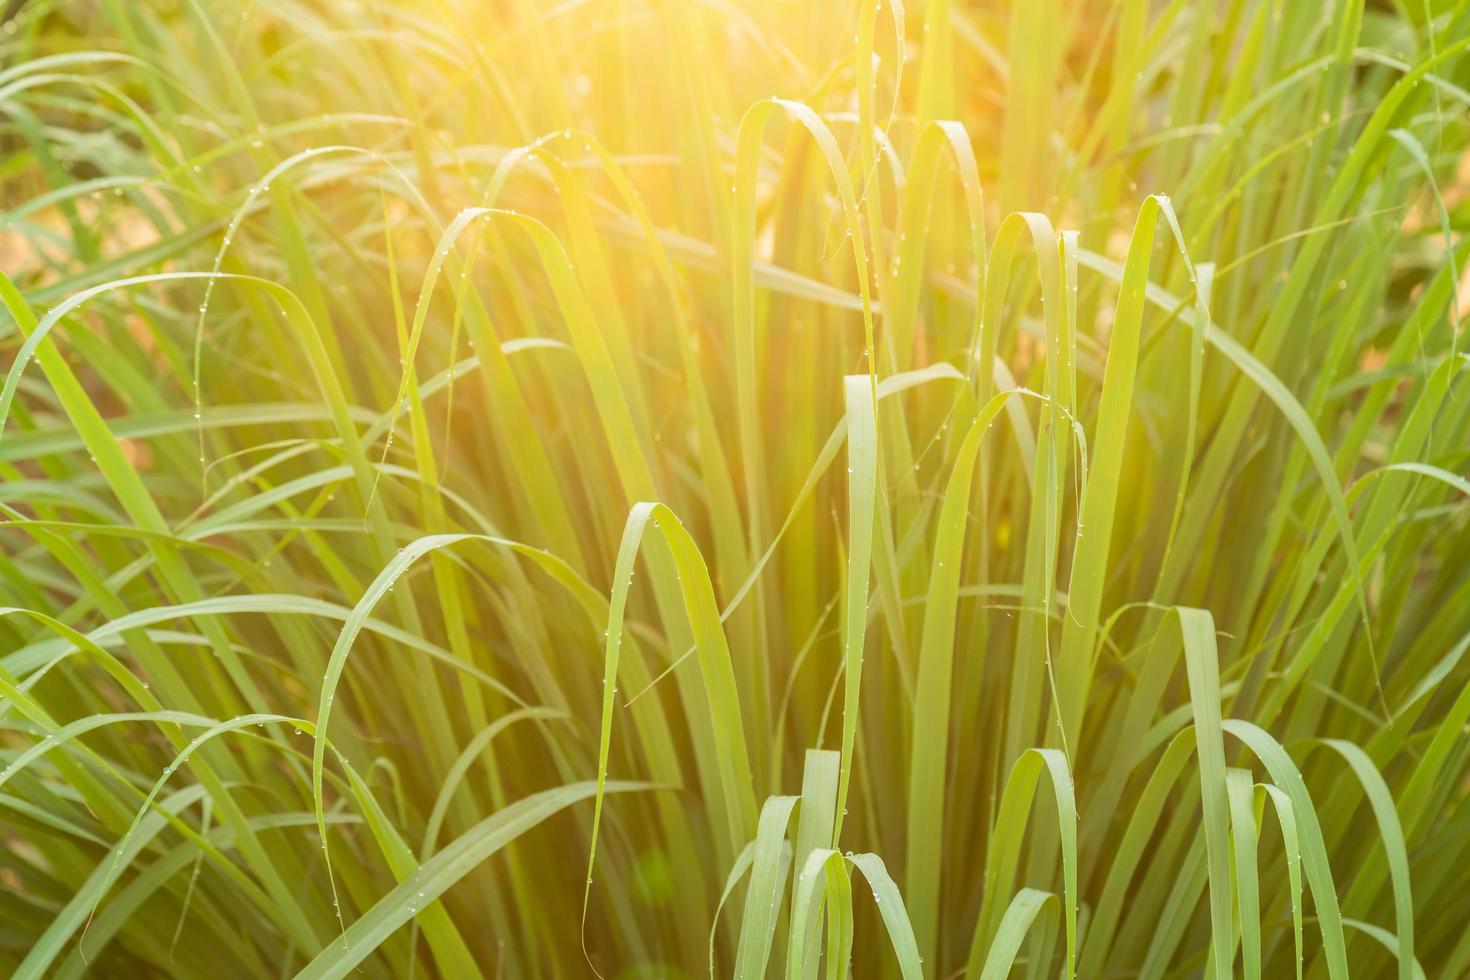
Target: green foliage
x=424, y=541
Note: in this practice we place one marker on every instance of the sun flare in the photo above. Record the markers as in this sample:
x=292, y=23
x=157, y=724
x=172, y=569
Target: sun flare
x=667, y=488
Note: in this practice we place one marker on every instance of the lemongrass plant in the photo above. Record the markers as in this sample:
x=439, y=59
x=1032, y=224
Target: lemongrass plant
x=681, y=488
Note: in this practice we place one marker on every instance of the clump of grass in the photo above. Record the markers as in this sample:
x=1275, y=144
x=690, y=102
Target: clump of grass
x=489, y=490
